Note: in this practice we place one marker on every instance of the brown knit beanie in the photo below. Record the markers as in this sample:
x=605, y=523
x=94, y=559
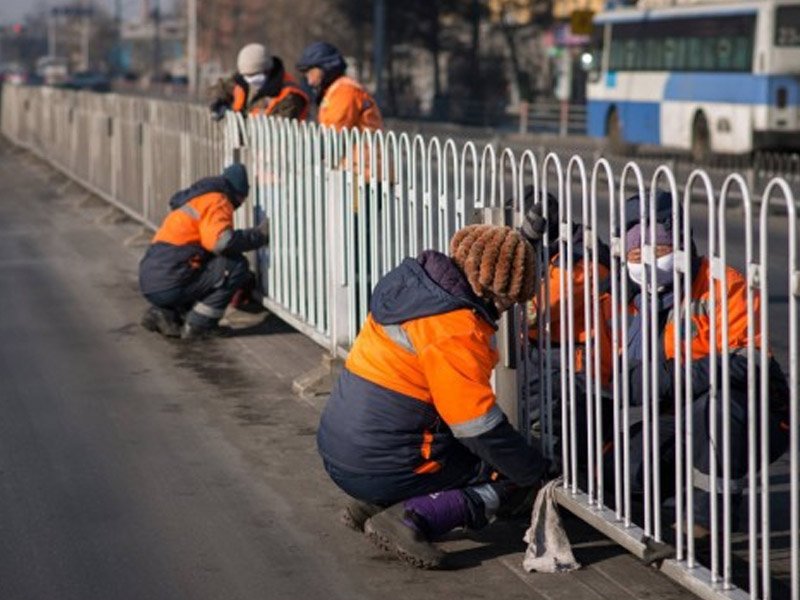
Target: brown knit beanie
x=497, y=261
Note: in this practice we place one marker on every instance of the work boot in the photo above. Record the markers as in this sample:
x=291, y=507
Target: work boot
x=193, y=331
x=409, y=527
x=355, y=513
x=162, y=320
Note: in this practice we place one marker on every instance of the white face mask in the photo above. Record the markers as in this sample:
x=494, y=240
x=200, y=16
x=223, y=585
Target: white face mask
x=664, y=267
x=255, y=81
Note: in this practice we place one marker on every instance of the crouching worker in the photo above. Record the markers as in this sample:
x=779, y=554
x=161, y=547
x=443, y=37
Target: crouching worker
x=412, y=431
x=195, y=264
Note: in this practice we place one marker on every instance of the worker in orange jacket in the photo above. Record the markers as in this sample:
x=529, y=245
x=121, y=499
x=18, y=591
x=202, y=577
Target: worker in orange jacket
x=343, y=102
x=195, y=261
x=412, y=430
x=670, y=315
x=669, y=358
x=601, y=333
x=261, y=85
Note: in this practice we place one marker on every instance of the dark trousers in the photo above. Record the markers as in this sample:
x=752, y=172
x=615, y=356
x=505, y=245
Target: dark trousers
x=460, y=472
x=701, y=452
x=704, y=456
x=206, y=295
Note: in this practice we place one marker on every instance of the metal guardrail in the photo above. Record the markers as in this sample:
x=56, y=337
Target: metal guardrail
x=346, y=207
x=552, y=117
x=133, y=152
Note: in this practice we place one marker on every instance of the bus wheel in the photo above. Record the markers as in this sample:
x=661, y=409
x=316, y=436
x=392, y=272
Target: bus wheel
x=616, y=143
x=701, y=139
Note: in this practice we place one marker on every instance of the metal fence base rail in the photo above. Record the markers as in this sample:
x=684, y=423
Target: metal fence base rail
x=345, y=207
x=697, y=580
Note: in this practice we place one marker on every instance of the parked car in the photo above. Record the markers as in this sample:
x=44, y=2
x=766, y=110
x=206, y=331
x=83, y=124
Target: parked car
x=92, y=81
x=13, y=73
x=54, y=70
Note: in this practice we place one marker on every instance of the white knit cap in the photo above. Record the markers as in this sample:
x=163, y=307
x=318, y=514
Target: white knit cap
x=253, y=59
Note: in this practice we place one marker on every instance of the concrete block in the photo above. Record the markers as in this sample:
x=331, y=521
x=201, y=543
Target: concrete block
x=319, y=380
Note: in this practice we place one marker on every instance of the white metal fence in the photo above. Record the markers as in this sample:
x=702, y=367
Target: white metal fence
x=134, y=152
x=345, y=207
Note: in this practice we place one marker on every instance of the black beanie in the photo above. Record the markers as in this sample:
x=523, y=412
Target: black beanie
x=236, y=176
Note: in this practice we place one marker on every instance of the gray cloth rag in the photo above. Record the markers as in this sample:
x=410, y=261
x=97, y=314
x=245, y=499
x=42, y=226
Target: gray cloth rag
x=548, y=550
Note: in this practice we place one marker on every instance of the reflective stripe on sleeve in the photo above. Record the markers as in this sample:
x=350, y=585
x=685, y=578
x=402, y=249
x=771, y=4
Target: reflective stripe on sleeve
x=399, y=336
x=222, y=241
x=703, y=482
x=190, y=210
x=478, y=425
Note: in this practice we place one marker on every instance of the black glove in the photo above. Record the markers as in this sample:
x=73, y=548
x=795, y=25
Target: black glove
x=218, y=109
x=263, y=228
x=535, y=224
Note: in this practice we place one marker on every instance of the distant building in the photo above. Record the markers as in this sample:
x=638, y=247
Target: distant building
x=141, y=38
x=563, y=9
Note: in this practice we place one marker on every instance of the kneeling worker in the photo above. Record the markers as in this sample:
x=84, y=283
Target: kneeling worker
x=412, y=431
x=195, y=262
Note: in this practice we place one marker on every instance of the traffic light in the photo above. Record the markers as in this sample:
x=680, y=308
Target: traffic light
x=17, y=28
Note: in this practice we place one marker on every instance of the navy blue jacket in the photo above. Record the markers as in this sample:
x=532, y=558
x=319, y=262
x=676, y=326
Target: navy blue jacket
x=367, y=428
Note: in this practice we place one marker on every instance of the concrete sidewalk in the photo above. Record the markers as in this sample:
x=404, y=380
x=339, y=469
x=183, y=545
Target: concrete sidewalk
x=251, y=503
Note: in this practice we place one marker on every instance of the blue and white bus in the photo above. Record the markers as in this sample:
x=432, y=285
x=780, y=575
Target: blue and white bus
x=709, y=77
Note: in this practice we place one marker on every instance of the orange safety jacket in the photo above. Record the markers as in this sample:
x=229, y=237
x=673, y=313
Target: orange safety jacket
x=698, y=301
x=581, y=334
x=199, y=226
x=205, y=221
x=345, y=104
x=735, y=297
x=415, y=391
x=268, y=105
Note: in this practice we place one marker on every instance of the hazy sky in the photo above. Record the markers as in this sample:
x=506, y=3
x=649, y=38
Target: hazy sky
x=15, y=10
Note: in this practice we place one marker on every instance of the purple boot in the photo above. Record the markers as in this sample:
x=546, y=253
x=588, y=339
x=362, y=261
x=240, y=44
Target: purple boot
x=407, y=528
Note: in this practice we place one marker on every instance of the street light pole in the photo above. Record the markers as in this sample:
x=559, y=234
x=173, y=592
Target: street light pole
x=156, y=40
x=51, y=31
x=191, y=45
x=85, y=26
x=379, y=44
x=118, y=45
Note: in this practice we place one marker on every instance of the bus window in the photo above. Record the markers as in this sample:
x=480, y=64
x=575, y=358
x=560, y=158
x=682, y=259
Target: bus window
x=722, y=44
x=787, y=26
x=695, y=52
x=592, y=60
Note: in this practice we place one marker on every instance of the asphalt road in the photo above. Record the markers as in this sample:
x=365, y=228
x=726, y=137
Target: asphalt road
x=116, y=477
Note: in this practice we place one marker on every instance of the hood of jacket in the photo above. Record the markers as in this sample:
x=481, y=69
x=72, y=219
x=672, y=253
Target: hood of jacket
x=206, y=185
x=429, y=285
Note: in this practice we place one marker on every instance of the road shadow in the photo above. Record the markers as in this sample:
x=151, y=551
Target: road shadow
x=504, y=538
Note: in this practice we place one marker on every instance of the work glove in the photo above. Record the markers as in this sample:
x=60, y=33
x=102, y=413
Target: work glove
x=218, y=110
x=535, y=225
x=263, y=229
